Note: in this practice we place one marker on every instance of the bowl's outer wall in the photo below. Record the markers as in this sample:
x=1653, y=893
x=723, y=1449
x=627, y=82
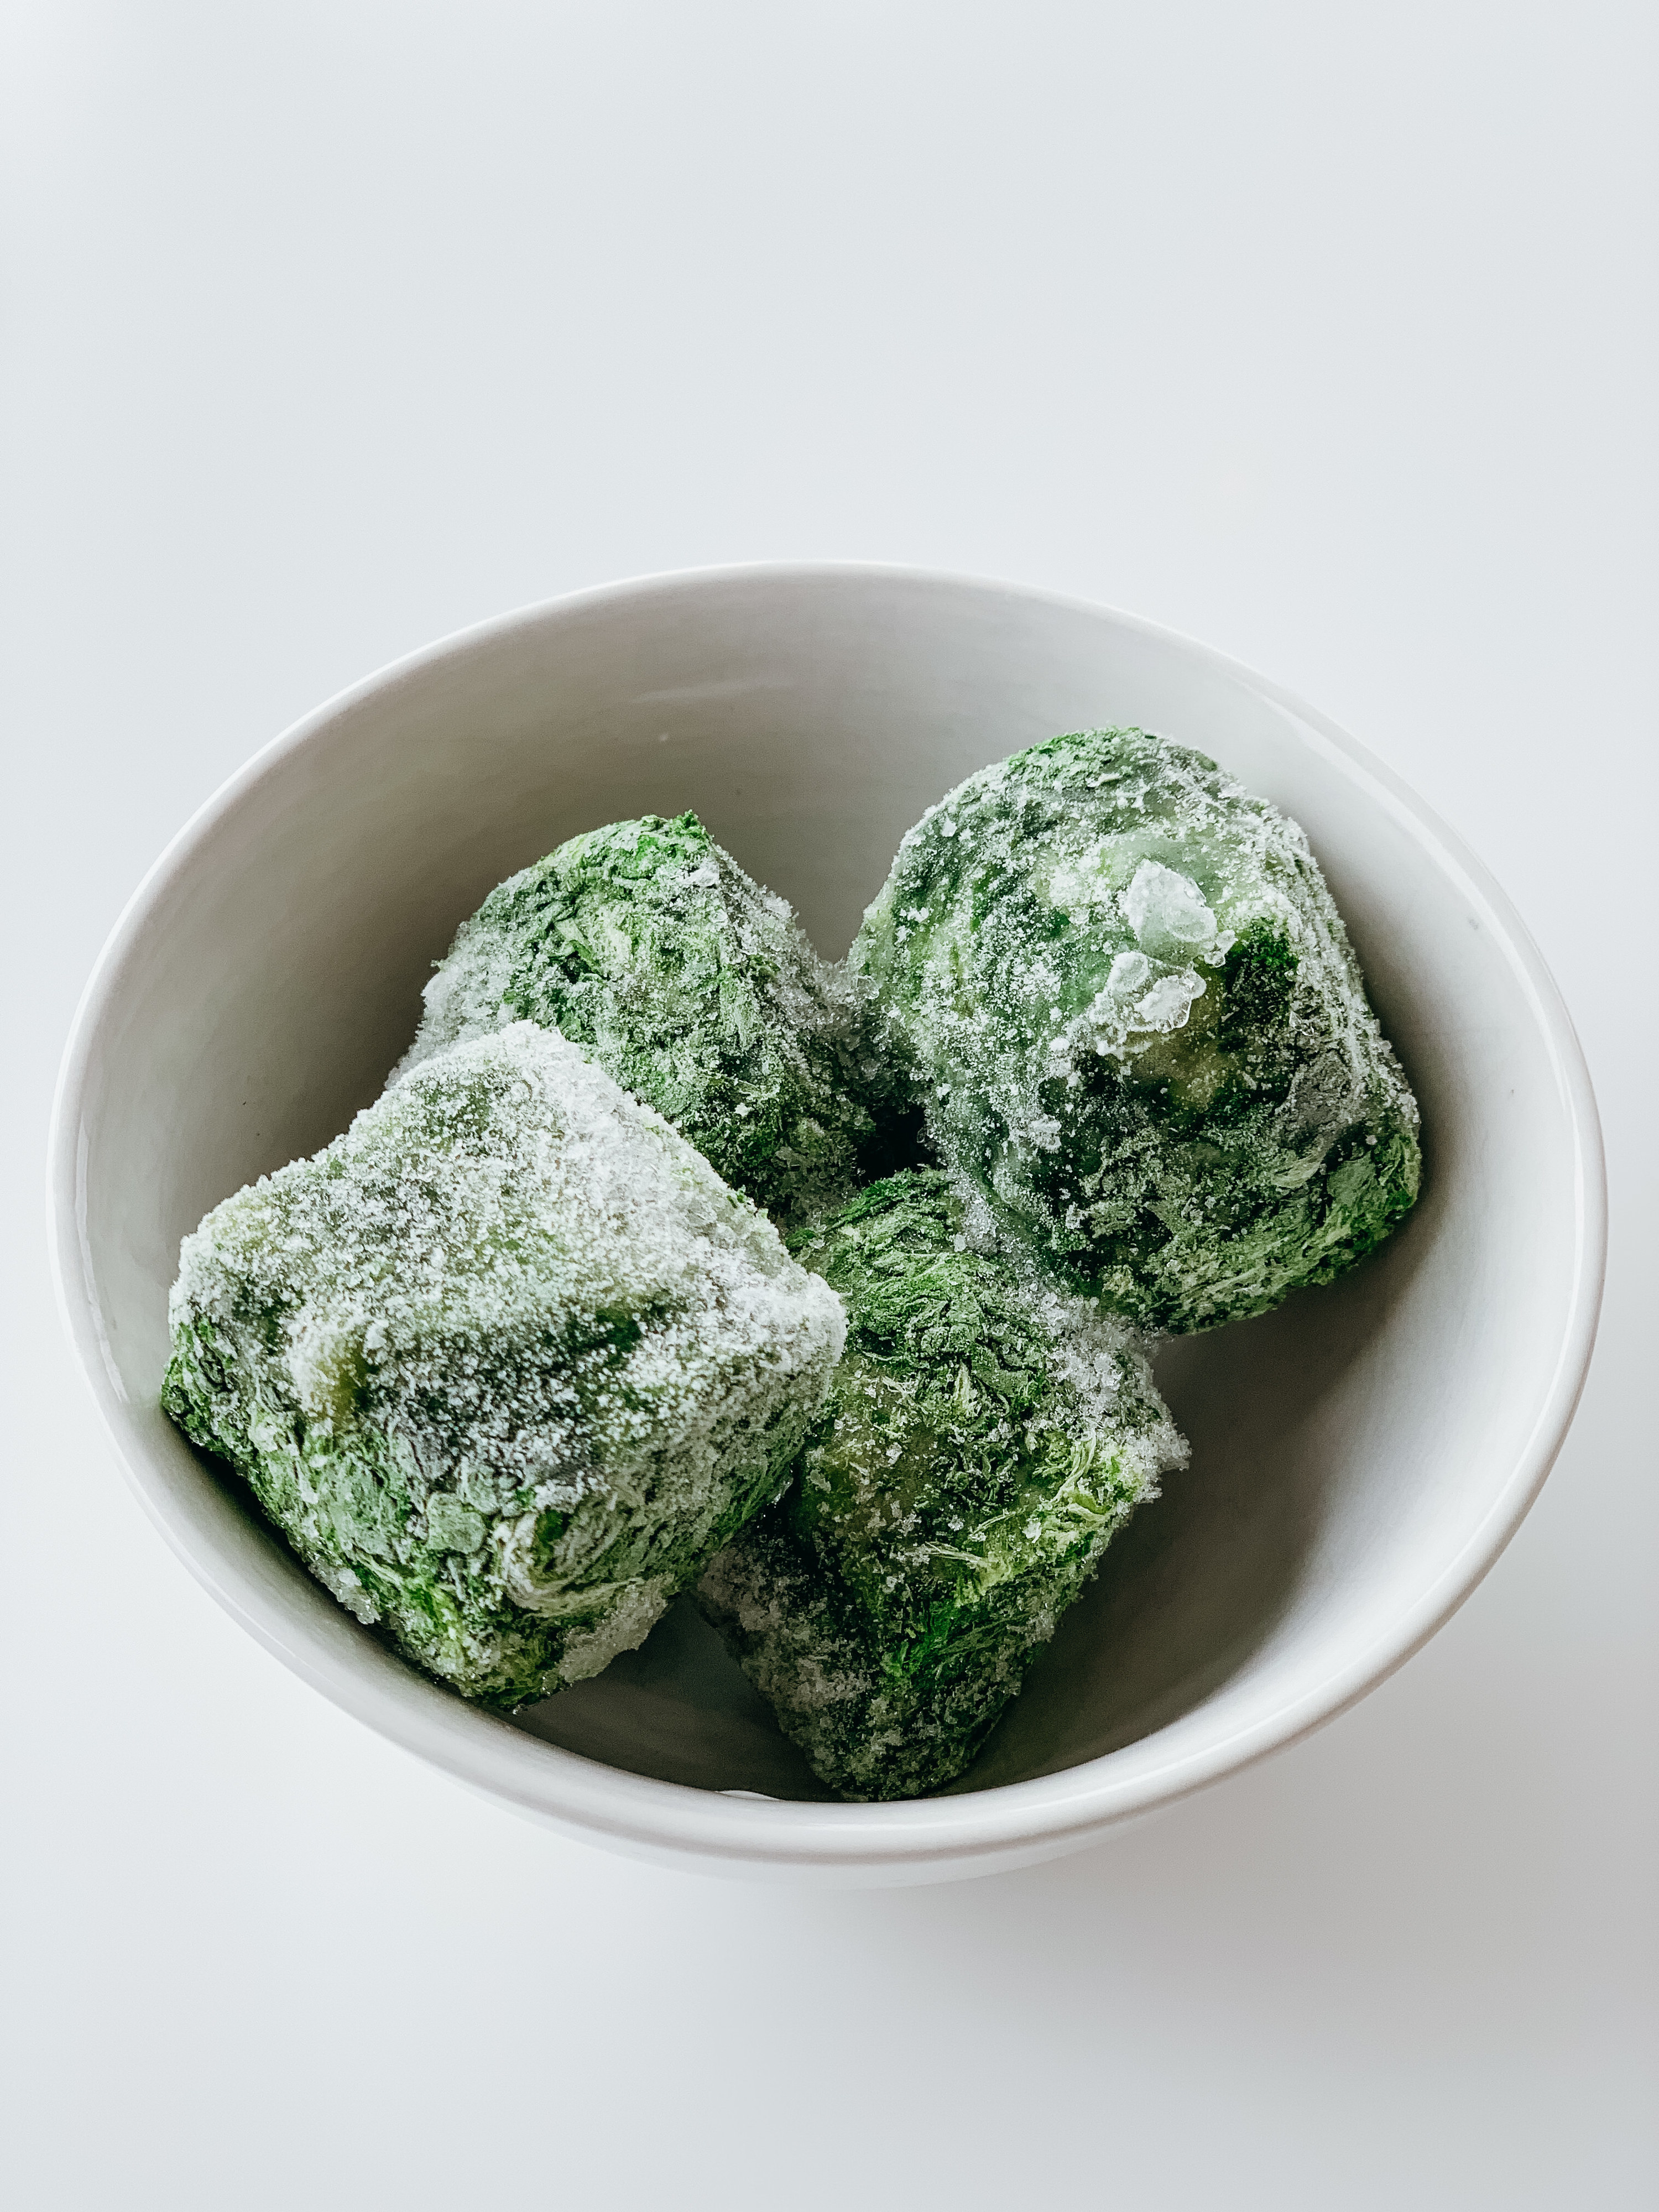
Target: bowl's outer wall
x=1360, y=1458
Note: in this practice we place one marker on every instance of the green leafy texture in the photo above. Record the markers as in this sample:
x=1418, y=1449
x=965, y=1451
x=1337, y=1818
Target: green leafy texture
x=695, y=989
x=1137, y=1028
x=505, y=1362
x=984, y=1437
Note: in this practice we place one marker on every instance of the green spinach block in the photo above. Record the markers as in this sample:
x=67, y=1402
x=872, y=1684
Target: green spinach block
x=1138, y=1029
x=696, y=989
x=985, y=1436
x=507, y=1362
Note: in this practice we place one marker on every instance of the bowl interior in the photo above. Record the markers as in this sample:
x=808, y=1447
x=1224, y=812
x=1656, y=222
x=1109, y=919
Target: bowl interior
x=1351, y=1451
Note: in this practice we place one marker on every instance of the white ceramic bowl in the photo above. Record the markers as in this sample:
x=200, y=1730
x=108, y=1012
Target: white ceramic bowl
x=1360, y=1458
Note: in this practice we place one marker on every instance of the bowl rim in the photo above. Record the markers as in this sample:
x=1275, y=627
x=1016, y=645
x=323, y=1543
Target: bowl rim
x=602, y=1803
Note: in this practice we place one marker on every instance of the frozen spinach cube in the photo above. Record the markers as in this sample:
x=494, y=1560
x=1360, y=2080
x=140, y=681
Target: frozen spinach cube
x=984, y=1437
x=505, y=1362
x=1135, y=1024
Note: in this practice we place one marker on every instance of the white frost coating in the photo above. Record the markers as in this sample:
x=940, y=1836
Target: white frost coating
x=462, y=997
x=636, y=1611
x=343, y=1584
x=1114, y=1410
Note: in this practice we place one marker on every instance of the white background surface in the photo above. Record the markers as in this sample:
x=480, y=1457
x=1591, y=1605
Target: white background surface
x=1325, y=333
